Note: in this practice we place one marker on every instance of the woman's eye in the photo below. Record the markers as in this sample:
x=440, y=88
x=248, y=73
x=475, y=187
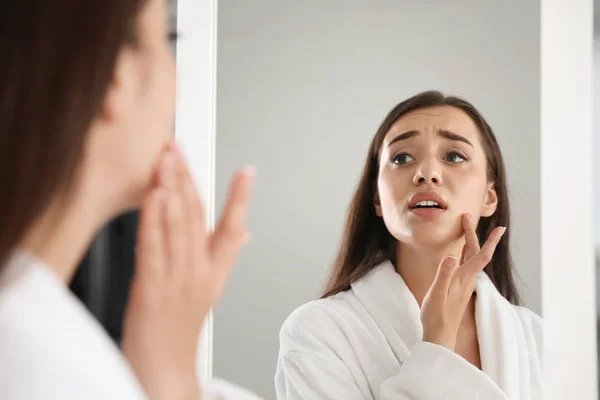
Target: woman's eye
x=454, y=157
x=173, y=36
x=400, y=159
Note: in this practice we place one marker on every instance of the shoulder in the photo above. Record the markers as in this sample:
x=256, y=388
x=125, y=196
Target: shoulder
x=61, y=363
x=533, y=329
x=314, y=315
x=323, y=320
x=530, y=320
x=48, y=337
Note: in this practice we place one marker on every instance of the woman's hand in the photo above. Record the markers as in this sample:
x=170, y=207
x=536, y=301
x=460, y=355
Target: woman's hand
x=445, y=303
x=180, y=272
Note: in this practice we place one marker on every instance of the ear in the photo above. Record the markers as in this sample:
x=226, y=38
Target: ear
x=377, y=204
x=121, y=91
x=490, y=203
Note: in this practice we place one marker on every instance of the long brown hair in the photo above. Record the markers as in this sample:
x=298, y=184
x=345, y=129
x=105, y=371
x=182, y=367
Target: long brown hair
x=57, y=59
x=366, y=242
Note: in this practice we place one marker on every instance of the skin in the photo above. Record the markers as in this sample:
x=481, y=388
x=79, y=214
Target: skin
x=439, y=257
x=180, y=268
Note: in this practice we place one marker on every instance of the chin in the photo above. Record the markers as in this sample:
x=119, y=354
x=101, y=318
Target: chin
x=430, y=234
x=433, y=240
x=136, y=194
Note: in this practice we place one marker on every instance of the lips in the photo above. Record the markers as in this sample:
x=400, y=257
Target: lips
x=427, y=200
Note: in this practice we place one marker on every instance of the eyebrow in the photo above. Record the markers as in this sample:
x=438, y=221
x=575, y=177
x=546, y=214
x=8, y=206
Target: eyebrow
x=442, y=133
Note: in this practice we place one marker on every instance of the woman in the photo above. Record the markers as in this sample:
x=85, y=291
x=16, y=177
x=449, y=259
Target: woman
x=414, y=308
x=86, y=116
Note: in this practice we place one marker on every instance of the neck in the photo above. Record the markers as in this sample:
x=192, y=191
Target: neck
x=418, y=265
x=62, y=235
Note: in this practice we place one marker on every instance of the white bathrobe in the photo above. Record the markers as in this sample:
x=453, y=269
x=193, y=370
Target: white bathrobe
x=366, y=343
x=51, y=347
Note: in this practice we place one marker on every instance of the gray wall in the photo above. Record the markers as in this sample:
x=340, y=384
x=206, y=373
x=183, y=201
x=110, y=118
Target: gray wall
x=302, y=87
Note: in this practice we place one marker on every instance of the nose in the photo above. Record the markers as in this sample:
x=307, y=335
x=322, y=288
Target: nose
x=427, y=172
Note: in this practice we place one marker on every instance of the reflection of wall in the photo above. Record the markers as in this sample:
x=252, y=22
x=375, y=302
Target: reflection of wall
x=302, y=87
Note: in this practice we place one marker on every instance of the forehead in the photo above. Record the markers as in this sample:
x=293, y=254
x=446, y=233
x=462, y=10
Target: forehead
x=431, y=120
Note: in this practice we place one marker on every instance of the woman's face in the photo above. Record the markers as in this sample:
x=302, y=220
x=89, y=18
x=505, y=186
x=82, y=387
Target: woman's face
x=137, y=122
x=433, y=169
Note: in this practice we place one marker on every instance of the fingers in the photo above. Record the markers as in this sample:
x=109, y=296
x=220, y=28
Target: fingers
x=230, y=233
x=166, y=173
x=186, y=242
x=151, y=252
x=484, y=256
x=177, y=239
x=463, y=257
x=441, y=284
x=471, y=241
x=487, y=251
x=174, y=230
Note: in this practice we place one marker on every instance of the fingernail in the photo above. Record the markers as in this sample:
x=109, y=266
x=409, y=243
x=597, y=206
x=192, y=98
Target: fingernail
x=450, y=261
x=176, y=157
x=470, y=216
x=503, y=229
x=249, y=170
x=247, y=238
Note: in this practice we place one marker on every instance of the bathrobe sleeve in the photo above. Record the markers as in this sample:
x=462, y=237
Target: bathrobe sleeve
x=312, y=366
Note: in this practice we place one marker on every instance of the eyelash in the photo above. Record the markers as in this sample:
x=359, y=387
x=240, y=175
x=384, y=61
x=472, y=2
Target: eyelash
x=456, y=153
x=451, y=153
x=173, y=36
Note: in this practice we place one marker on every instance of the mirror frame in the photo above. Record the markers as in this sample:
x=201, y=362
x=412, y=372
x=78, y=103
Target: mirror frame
x=195, y=119
x=568, y=266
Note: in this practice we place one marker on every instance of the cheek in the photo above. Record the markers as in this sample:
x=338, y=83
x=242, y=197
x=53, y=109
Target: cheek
x=166, y=76
x=469, y=191
x=393, y=188
x=160, y=111
x=156, y=116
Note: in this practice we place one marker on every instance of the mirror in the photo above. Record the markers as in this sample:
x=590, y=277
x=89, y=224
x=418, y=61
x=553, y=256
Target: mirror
x=302, y=88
